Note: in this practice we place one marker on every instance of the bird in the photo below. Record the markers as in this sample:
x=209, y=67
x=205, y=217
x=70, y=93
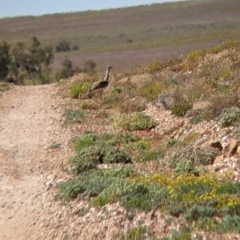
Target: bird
x=101, y=83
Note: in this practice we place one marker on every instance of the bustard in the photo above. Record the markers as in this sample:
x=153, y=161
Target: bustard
x=101, y=83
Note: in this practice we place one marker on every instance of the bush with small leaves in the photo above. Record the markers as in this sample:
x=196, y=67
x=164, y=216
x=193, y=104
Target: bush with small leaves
x=86, y=140
x=185, y=166
x=79, y=88
x=82, y=165
x=134, y=121
x=197, y=155
x=229, y=224
x=69, y=190
x=150, y=155
x=179, y=109
x=197, y=211
x=183, y=234
x=137, y=233
x=115, y=155
x=230, y=117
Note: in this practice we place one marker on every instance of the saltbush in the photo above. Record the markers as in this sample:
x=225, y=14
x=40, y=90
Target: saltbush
x=134, y=121
x=230, y=117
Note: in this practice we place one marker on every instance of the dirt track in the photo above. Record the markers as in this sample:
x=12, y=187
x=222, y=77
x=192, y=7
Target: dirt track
x=30, y=123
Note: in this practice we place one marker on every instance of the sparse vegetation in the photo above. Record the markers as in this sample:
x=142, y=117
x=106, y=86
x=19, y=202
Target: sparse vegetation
x=78, y=88
x=230, y=117
x=186, y=189
x=73, y=116
x=133, y=121
x=205, y=200
x=55, y=145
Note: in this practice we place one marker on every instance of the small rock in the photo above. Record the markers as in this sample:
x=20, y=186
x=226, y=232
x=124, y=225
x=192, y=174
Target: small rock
x=234, y=144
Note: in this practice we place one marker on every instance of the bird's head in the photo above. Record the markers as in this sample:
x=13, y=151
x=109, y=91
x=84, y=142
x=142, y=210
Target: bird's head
x=109, y=67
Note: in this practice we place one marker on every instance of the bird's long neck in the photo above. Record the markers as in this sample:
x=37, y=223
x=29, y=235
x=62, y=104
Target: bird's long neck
x=107, y=74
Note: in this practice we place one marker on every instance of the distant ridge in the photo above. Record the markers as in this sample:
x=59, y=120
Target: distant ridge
x=131, y=35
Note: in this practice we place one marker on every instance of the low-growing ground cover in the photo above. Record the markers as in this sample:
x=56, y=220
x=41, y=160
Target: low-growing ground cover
x=169, y=173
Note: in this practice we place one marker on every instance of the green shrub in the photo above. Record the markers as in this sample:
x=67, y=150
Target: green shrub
x=150, y=155
x=86, y=140
x=137, y=233
x=115, y=155
x=82, y=165
x=197, y=211
x=179, y=109
x=230, y=117
x=126, y=138
x=229, y=188
x=183, y=234
x=185, y=166
x=206, y=223
x=79, y=88
x=92, y=149
x=197, y=155
x=134, y=121
x=229, y=224
x=69, y=190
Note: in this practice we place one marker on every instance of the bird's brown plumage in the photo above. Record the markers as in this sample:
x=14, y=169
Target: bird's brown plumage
x=101, y=83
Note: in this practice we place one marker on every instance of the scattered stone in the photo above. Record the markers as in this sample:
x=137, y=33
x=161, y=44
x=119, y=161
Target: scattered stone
x=234, y=144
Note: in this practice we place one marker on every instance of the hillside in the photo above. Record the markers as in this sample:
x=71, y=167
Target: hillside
x=155, y=155
x=131, y=36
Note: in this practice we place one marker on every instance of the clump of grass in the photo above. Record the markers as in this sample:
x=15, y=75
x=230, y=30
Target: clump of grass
x=152, y=89
x=155, y=66
x=73, y=116
x=229, y=224
x=179, y=109
x=149, y=155
x=136, y=233
x=89, y=106
x=230, y=117
x=79, y=88
x=134, y=121
x=170, y=142
x=182, y=234
x=55, y=145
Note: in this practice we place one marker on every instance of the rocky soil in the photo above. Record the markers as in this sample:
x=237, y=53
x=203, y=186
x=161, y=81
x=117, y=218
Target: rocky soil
x=31, y=120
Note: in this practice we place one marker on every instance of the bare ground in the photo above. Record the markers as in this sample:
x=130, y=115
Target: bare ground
x=30, y=123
